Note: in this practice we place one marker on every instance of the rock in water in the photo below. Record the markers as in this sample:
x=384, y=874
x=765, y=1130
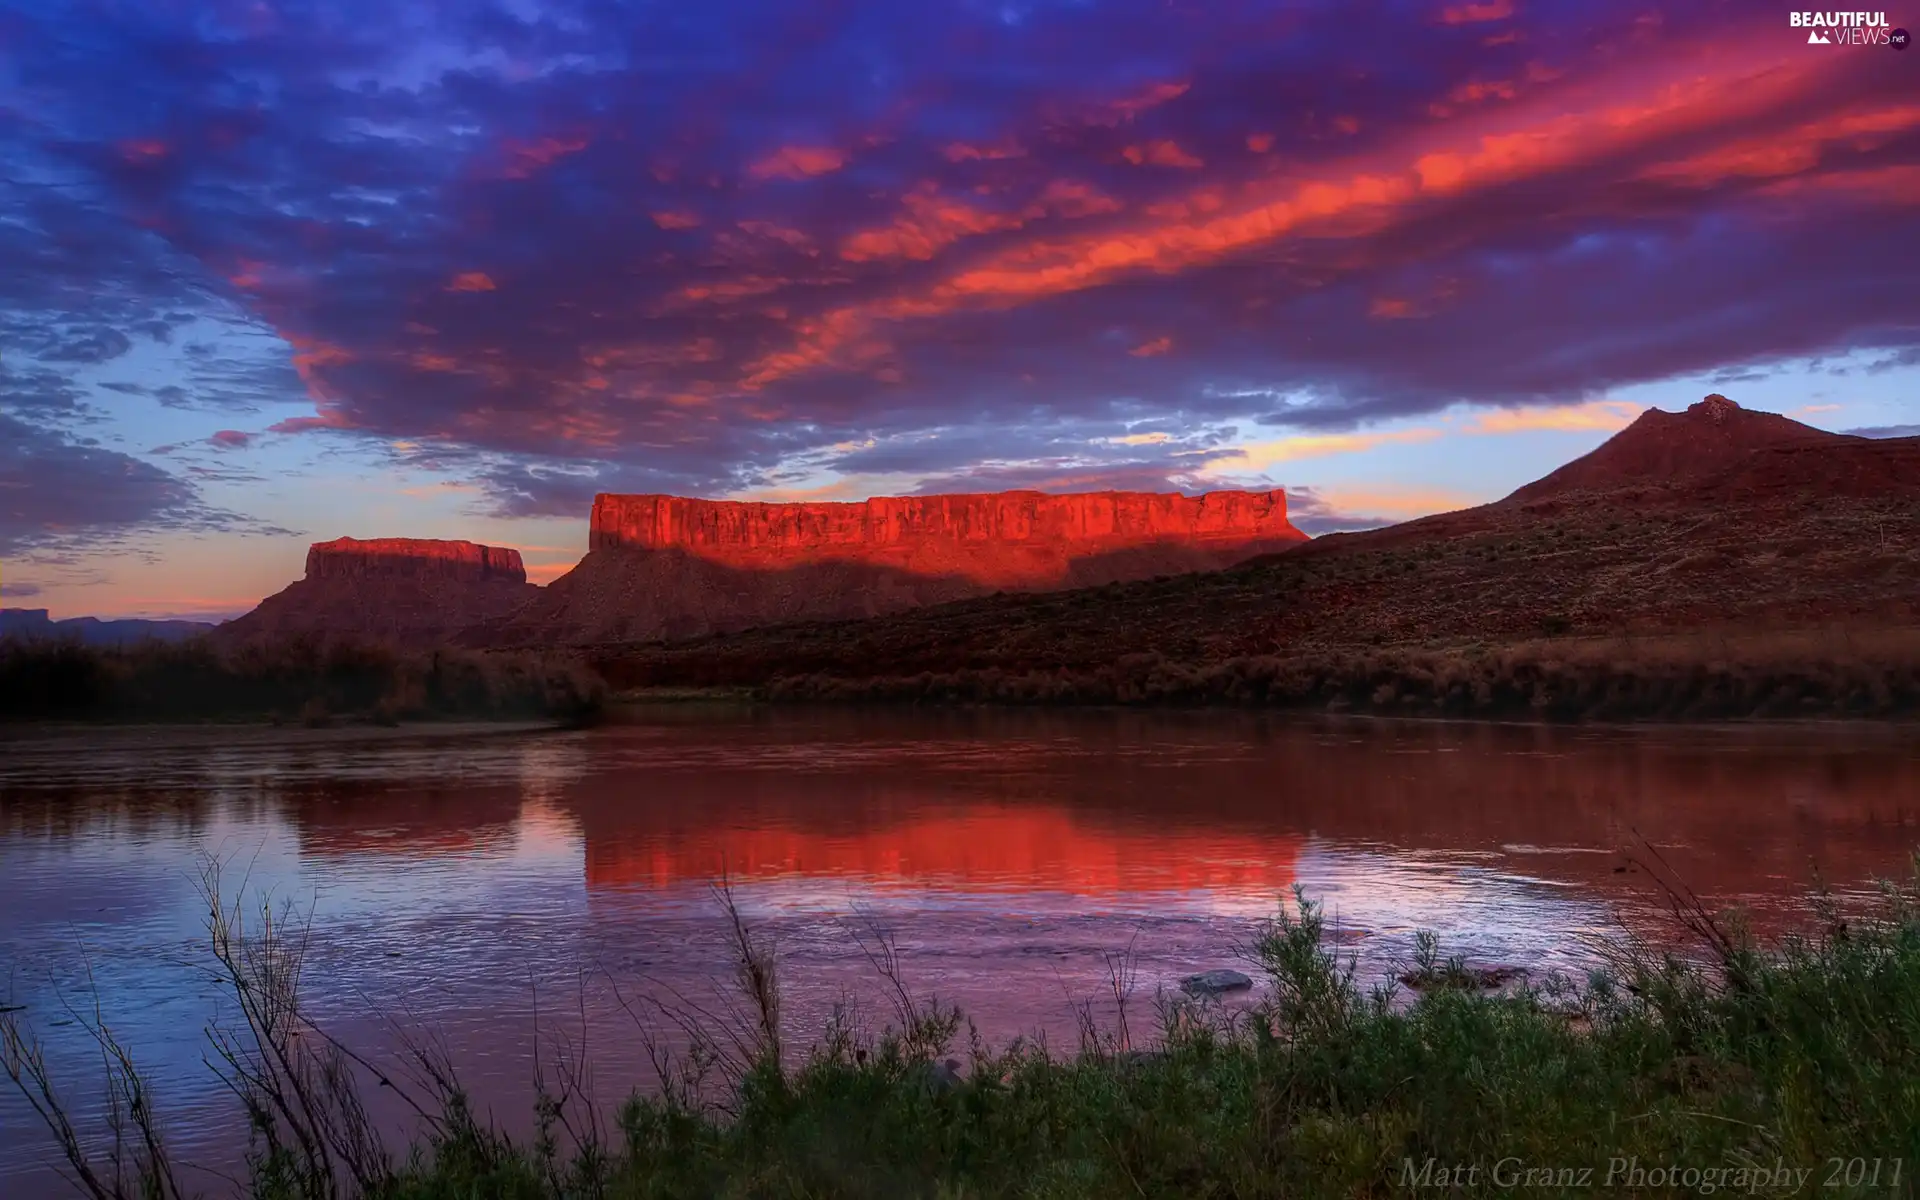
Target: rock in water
x=669, y=566
x=1214, y=983
x=410, y=590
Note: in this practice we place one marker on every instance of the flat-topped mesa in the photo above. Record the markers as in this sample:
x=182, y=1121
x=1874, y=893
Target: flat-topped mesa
x=409, y=590
x=671, y=566
x=1095, y=520
x=356, y=558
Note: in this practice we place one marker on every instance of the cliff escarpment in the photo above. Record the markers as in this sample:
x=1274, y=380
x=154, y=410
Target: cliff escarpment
x=670, y=566
x=410, y=590
x=414, y=558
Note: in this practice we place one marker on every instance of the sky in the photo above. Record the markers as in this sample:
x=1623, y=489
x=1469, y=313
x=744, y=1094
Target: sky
x=275, y=272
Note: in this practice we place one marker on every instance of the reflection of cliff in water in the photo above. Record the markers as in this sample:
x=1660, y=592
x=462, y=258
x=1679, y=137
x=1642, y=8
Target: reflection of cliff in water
x=981, y=847
x=1099, y=801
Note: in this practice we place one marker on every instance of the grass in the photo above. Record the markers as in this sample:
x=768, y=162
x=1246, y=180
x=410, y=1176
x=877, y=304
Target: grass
x=1690, y=676
x=304, y=680
x=1731, y=1062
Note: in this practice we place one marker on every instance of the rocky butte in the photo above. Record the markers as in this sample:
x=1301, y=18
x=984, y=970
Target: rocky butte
x=671, y=566
x=401, y=589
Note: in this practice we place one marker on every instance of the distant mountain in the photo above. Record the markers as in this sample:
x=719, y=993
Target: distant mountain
x=37, y=625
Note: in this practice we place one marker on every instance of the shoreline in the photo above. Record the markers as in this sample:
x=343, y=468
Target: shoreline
x=1771, y=674
x=763, y=697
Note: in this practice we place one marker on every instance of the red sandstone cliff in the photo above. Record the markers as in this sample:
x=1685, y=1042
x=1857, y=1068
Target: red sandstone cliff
x=401, y=589
x=413, y=558
x=669, y=566
x=910, y=525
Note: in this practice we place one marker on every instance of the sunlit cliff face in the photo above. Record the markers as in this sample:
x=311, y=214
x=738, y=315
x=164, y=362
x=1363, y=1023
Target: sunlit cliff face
x=440, y=269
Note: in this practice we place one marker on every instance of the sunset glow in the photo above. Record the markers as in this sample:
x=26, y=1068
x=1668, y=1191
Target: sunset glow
x=402, y=275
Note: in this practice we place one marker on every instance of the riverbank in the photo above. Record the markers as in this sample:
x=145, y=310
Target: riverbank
x=294, y=681
x=1839, y=672
x=1774, y=1071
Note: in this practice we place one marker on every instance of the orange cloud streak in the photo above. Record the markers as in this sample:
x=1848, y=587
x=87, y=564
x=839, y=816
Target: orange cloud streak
x=1527, y=139
x=1603, y=416
x=1793, y=152
x=471, y=281
x=933, y=221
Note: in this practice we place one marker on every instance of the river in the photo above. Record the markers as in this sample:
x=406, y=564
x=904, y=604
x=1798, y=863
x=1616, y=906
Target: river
x=496, y=888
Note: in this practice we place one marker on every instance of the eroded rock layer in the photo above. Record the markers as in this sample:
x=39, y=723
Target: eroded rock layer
x=408, y=590
x=356, y=558
x=669, y=566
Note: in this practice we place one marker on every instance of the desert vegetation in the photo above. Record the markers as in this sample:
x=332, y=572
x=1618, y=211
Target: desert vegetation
x=1689, y=677
x=296, y=679
x=1717, y=1057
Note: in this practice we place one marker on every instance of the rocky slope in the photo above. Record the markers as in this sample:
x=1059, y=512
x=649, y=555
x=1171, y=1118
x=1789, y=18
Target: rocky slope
x=1714, y=519
x=1672, y=454
x=669, y=566
x=400, y=589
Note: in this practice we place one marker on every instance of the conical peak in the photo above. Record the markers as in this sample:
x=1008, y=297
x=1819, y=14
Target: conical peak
x=1716, y=408
x=1663, y=448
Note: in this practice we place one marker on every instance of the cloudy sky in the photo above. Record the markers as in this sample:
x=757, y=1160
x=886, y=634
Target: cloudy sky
x=273, y=271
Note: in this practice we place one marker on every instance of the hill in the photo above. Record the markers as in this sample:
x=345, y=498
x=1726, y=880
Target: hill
x=1672, y=455
x=399, y=589
x=1690, y=544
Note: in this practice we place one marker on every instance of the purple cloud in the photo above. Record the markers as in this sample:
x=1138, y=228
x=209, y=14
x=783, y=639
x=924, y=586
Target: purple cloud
x=593, y=246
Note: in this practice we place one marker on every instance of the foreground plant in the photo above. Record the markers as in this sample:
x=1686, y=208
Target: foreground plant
x=1755, y=1069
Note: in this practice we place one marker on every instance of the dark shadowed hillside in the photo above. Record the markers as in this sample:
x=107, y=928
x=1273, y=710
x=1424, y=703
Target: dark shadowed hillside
x=1700, y=539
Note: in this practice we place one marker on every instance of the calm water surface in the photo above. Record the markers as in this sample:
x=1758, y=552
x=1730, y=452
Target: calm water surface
x=461, y=881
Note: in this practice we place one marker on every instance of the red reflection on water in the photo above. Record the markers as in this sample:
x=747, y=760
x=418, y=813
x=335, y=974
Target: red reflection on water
x=989, y=847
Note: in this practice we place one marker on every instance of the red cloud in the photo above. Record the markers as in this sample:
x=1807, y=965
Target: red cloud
x=231, y=439
x=1472, y=14
x=524, y=159
x=471, y=281
x=1642, y=107
x=798, y=162
x=144, y=150
x=1161, y=154
x=964, y=152
x=1115, y=112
